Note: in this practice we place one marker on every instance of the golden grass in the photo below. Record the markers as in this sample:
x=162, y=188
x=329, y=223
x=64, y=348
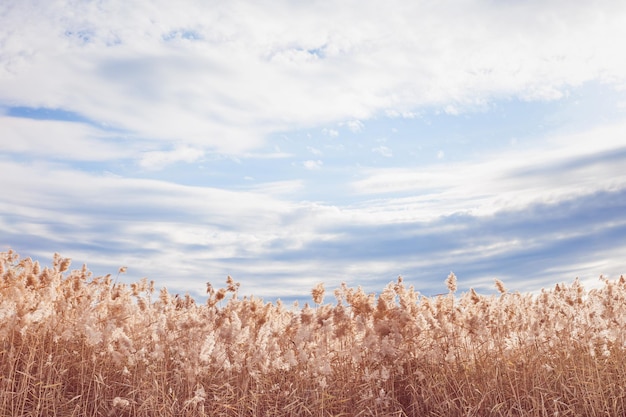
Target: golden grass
x=76, y=345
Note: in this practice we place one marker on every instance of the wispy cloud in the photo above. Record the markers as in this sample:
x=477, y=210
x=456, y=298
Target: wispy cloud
x=313, y=164
x=572, y=165
x=330, y=132
x=59, y=140
x=155, y=160
x=355, y=126
x=383, y=151
x=314, y=151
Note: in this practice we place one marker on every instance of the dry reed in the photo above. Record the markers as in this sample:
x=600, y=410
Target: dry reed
x=76, y=345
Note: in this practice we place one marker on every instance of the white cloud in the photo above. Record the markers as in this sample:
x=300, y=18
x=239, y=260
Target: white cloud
x=566, y=166
x=383, y=151
x=59, y=140
x=313, y=164
x=330, y=132
x=182, y=236
x=313, y=150
x=145, y=214
x=155, y=160
x=451, y=109
x=169, y=232
x=405, y=114
x=277, y=154
x=278, y=188
x=355, y=126
x=224, y=76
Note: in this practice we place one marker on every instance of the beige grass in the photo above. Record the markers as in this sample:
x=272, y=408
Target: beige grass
x=76, y=345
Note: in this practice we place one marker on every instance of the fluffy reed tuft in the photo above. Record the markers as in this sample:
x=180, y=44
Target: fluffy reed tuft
x=74, y=344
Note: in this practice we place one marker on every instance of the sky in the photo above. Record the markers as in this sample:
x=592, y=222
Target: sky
x=287, y=143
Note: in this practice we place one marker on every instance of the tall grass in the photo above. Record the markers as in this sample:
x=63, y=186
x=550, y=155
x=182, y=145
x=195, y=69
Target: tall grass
x=76, y=345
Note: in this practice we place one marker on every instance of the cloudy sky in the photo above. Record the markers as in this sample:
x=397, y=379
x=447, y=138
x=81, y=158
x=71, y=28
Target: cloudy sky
x=287, y=142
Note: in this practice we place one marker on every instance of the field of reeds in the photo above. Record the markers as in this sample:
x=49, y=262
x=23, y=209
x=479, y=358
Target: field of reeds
x=76, y=345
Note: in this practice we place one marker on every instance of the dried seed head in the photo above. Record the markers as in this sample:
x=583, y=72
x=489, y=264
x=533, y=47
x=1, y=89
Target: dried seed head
x=65, y=264
x=231, y=285
x=318, y=293
x=31, y=280
x=135, y=289
x=164, y=296
x=451, y=282
x=120, y=402
x=473, y=296
x=500, y=286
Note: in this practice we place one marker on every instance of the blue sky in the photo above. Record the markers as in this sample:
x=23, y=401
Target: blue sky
x=287, y=143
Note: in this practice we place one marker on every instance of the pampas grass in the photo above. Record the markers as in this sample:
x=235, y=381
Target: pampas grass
x=76, y=345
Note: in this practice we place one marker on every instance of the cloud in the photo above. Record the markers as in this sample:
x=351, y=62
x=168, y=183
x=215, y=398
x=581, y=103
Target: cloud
x=313, y=150
x=330, y=132
x=450, y=109
x=178, y=235
x=214, y=76
x=313, y=164
x=510, y=244
x=155, y=160
x=182, y=236
x=566, y=166
x=278, y=188
x=61, y=140
x=355, y=126
x=383, y=151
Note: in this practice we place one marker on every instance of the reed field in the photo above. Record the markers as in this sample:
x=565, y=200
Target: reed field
x=72, y=344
